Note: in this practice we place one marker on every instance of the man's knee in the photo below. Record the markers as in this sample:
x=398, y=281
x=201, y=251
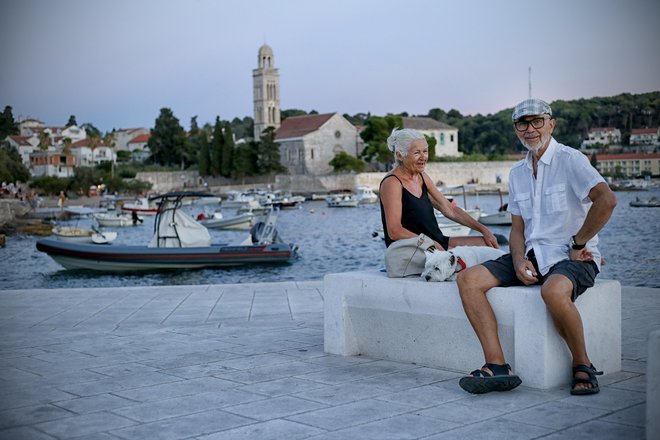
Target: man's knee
x=476, y=277
x=557, y=289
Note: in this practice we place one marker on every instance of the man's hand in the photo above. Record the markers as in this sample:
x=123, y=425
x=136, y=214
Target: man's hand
x=525, y=271
x=580, y=254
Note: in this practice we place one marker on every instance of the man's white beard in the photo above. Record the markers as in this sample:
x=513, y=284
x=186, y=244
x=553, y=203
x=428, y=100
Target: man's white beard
x=535, y=147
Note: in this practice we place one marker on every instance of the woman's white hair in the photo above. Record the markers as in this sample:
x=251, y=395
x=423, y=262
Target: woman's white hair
x=400, y=141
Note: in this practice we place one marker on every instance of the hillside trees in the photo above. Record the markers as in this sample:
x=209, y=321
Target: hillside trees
x=375, y=135
x=8, y=125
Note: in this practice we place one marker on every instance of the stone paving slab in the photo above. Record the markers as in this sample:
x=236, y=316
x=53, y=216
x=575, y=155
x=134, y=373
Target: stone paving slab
x=246, y=361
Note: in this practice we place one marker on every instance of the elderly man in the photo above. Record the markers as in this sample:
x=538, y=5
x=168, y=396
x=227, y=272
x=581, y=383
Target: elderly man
x=558, y=203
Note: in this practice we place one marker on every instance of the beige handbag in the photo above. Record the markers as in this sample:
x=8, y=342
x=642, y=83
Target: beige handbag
x=406, y=257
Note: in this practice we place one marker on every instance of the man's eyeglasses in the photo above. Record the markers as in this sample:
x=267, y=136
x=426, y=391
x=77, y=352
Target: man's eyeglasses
x=536, y=123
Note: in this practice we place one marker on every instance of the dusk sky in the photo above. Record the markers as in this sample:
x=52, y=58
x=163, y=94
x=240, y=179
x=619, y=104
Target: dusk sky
x=116, y=63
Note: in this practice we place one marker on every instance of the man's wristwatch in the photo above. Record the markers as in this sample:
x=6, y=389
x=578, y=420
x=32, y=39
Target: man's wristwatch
x=576, y=246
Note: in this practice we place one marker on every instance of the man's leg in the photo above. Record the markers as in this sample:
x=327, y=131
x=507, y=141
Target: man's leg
x=473, y=283
x=557, y=293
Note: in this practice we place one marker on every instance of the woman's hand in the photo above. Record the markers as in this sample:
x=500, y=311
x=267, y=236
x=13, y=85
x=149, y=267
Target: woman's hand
x=489, y=239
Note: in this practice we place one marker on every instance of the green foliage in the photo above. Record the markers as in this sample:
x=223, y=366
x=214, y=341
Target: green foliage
x=50, y=185
x=291, y=112
x=71, y=121
x=7, y=124
x=345, y=162
x=493, y=134
x=11, y=165
x=168, y=141
x=227, y=152
x=91, y=130
x=217, y=147
x=268, y=154
x=594, y=160
x=431, y=141
x=243, y=128
x=245, y=159
x=375, y=135
x=84, y=177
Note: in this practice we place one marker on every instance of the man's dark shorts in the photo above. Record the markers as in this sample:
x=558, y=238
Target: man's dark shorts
x=581, y=273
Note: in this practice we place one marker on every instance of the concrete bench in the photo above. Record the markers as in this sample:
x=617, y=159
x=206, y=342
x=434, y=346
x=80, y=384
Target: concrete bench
x=410, y=320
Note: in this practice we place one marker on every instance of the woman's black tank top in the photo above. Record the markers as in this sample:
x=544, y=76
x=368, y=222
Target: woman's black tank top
x=416, y=215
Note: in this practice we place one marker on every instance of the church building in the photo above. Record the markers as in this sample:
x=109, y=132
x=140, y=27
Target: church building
x=266, y=92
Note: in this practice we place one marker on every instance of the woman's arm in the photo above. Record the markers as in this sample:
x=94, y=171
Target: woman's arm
x=452, y=212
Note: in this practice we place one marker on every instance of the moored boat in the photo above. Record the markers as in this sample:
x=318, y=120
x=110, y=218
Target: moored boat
x=218, y=221
x=73, y=234
x=653, y=202
x=140, y=206
x=179, y=242
x=342, y=200
x=116, y=220
x=365, y=195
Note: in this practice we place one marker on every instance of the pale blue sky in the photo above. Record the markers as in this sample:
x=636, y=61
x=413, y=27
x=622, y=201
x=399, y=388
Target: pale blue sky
x=115, y=63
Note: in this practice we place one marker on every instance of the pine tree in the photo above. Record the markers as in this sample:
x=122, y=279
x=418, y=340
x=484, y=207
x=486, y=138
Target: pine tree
x=216, y=148
x=168, y=140
x=227, y=151
x=7, y=124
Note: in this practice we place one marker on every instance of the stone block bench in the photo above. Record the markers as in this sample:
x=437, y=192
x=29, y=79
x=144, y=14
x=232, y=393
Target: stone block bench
x=411, y=320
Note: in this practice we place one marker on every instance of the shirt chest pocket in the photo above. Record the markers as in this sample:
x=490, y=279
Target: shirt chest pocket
x=555, y=197
x=524, y=202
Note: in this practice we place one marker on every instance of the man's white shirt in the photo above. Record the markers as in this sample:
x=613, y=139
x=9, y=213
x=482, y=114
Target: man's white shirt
x=553, y=205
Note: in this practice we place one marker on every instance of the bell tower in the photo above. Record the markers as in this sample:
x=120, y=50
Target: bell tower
x=266, y=90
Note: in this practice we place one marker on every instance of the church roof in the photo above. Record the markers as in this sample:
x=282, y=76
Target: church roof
x=421, y=123
x=299, y=126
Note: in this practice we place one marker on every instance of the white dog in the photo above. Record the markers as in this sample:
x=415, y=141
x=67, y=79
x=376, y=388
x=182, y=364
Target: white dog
x=443, y=266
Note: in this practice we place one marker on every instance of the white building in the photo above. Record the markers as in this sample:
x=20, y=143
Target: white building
x=445, y=135
x=139, y=148
x=125, y=135
x=603, y=136
x=24, y=145
x=645, y=136
x=86, y=156
x=309, y=143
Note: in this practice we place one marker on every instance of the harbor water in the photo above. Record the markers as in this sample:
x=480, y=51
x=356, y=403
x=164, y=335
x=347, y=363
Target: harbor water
x=330, y=240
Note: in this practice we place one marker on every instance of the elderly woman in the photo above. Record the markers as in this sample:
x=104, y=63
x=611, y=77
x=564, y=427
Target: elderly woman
x=408, y=196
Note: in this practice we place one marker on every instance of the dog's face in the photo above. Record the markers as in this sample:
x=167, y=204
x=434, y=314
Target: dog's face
x=440, y=265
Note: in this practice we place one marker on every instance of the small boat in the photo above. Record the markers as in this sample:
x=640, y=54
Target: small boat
x=500, y=218
x=365, y=195
x=218, y=221
x=342, y=200
x=73, y=234
x=653, y=202
x=116, y=220
x=140, y=206
x=179, y=242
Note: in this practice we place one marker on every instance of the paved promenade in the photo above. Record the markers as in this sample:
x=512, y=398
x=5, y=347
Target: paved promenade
x=246, y=362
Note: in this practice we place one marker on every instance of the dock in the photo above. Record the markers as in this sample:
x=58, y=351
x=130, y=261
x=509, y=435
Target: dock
x=246, y=361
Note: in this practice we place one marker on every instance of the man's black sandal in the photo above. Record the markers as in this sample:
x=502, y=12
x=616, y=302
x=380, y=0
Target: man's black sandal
x=591, y=380
x=480, y=381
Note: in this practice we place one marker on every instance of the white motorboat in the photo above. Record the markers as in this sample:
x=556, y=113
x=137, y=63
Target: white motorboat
x=140, y=206
x=116, y=220
x=365, y=195
x=342, y=200
x=179, y=242
x=218, y=221
x=73, y=234
x=500, y=218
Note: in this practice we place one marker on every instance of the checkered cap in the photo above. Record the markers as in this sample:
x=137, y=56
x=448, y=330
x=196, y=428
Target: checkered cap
x=532, y=106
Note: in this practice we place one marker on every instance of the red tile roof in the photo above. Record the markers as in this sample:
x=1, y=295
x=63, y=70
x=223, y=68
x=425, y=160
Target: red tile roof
x=299, y=126
x=139, y=139
x=601, y=157
x=644, y=130
x=20, y=140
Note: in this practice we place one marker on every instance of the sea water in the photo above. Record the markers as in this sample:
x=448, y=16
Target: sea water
x=330, y=240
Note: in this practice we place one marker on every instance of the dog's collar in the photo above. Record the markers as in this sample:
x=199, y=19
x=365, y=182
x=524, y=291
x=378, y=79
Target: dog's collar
x=460, y=262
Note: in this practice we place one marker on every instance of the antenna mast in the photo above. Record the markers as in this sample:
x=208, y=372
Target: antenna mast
x=530, y=82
